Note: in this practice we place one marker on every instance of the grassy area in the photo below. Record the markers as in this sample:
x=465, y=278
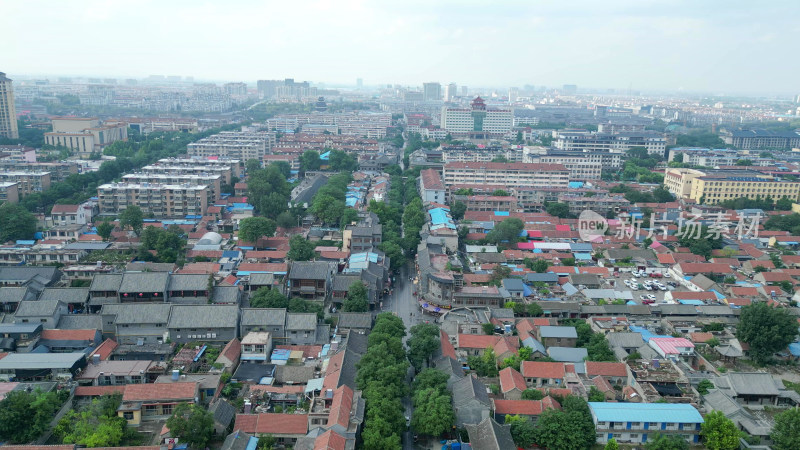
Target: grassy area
x=109, y=257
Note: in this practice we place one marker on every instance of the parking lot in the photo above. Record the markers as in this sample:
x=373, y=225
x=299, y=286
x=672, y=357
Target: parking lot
x=639, y=289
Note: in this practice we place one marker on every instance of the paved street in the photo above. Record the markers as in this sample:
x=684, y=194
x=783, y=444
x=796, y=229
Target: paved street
x=402, y=302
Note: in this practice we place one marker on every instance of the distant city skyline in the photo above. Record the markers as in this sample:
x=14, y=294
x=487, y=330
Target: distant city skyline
x=645, y=46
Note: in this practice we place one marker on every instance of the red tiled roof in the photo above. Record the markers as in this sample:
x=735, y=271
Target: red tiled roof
x=232, y=350
x=285, y=389
x=105, y=349
x=200, y=268
x=510, y=379
x=97, y=391
x=446, y=345
x=330, y=440
x=606, y=369
x=64, y=209
x=431, y=179
x=69, y=335
x=775, y=276
x=665, y=258
x=505, y=345
x=340, y=407
x=540, y=369
x=693, y=268
x=602, y=384
x=3, y=354
x=477, y=341
x=689, y=295
x=735, y=301
x=272, y=423
x=700, y=336
x=744, y=291
x=160, y=391
x=522, y=407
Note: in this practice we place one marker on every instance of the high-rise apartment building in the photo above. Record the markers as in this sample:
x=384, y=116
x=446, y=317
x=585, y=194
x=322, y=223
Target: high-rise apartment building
x=8, y=114
x=431, y=91
x=450, y=92
x=162, y=200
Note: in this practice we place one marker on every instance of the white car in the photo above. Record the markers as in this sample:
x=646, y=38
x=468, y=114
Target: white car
x=643, y=297
x=648, y=287
x=667, y=275
x=651, y=297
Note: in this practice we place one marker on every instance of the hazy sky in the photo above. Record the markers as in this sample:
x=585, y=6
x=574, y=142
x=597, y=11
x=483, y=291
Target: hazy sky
x=698, y=45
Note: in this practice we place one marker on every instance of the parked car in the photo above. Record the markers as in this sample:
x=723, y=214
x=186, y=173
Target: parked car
x=648, y=302
x=651, y=297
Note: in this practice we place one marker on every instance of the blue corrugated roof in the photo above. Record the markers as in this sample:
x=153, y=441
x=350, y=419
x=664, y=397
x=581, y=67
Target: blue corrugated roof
x=501, y=213
x=351, y=201
x=576, y=184
x=691, y=302
x=582, y=256
x=645, y=412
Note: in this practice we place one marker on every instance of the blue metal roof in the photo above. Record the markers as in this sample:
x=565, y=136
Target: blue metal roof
x=691, y=302
x=501, y=213
x=576, y=184
x=351, y=201
x=645, y=412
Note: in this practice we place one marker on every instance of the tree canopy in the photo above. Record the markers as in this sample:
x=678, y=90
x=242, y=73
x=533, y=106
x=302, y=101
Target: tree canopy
x=786, y=432
x=300, y=249
x=268, y=191
x=268, y=298
x=104, y=229
x=570, y=428
x=422, y=343
x=766, y=329
x=96, y=425
x=132, y=217
x=719, y=432
x=507, y=231
x=16, y=223
x=24, y=415
x=356, y=300
x=251, y=229
x=192, y=424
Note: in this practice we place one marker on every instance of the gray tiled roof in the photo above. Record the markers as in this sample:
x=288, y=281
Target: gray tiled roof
x=37, y=308
x=106, y=282
x=222, y=411
x=301, y=321
x=355, y=320
x=22, y=274
x=467, y=389
x=490, y=435
x=264, y=316
x=144, y=282
x=188, y=282
x=226, y=294
x=138, y=313
x=567, y=354
x=625, y=339
x=149, y=267
x=262, y=279
x=548, y=331
x=66, y=295
x=80, y=322
x=310, y=270
x=204, y=316
x=513, y=284
x=14, y=294
x=294, y=374
x=748, y=383
x=343, y=282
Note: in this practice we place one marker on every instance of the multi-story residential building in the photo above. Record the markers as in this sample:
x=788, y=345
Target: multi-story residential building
x=477, y=121
x=9, y=192
x=634, y=423
x=480, y=154
x=235, y=89
x=28, y=182
x=759, y=138
x=580, y=166
x=8, y=113
x=431, y=186
x=714, y=186
x=373, y=125
x=148, y=125
x=242, y=145
x=71, y=214
x=85, y=135
x=506, y=174
x=192, y=165
x=311, y=280
x=212, y=181
x=585, y=141
x=292, y=159
x=600, y=204
x=162, y=200
x=607, y=161
x=488, y=202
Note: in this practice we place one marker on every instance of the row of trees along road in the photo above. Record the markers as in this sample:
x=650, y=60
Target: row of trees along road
x=381, y=377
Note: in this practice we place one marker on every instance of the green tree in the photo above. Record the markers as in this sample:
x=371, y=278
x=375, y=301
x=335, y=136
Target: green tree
x=786, y=431
x=309, y=160
x=97, y=425
x=286, y=220
x=666, y=442
x=744, y=162
x=500, y=193
x=169, y=244
x=611, y=445
x=457, y=210
x=595, y=395
x=349, y=216
x=251, y=229
x=766, y=329
x=252, y=165
x=191, y=424
x=783, y=204
x=703, y=386
x=422, y=343
x=132, y=217
x=522, y=430
x=534, y=310
x=266, y=442
x=558, y=209
x=300, y=249
x=16, y=223
x=429, y=378
x=507, y=231
x=268, y=191
x=499, y=273
x=341, y=161
x=356, y=300
x=24, y=415
x=562, y=430
x=433, y=412
x=539, y=265
x=268, y=298
x=488, y=328
x=719, y=432
x=532, y=394
x=104, y=229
